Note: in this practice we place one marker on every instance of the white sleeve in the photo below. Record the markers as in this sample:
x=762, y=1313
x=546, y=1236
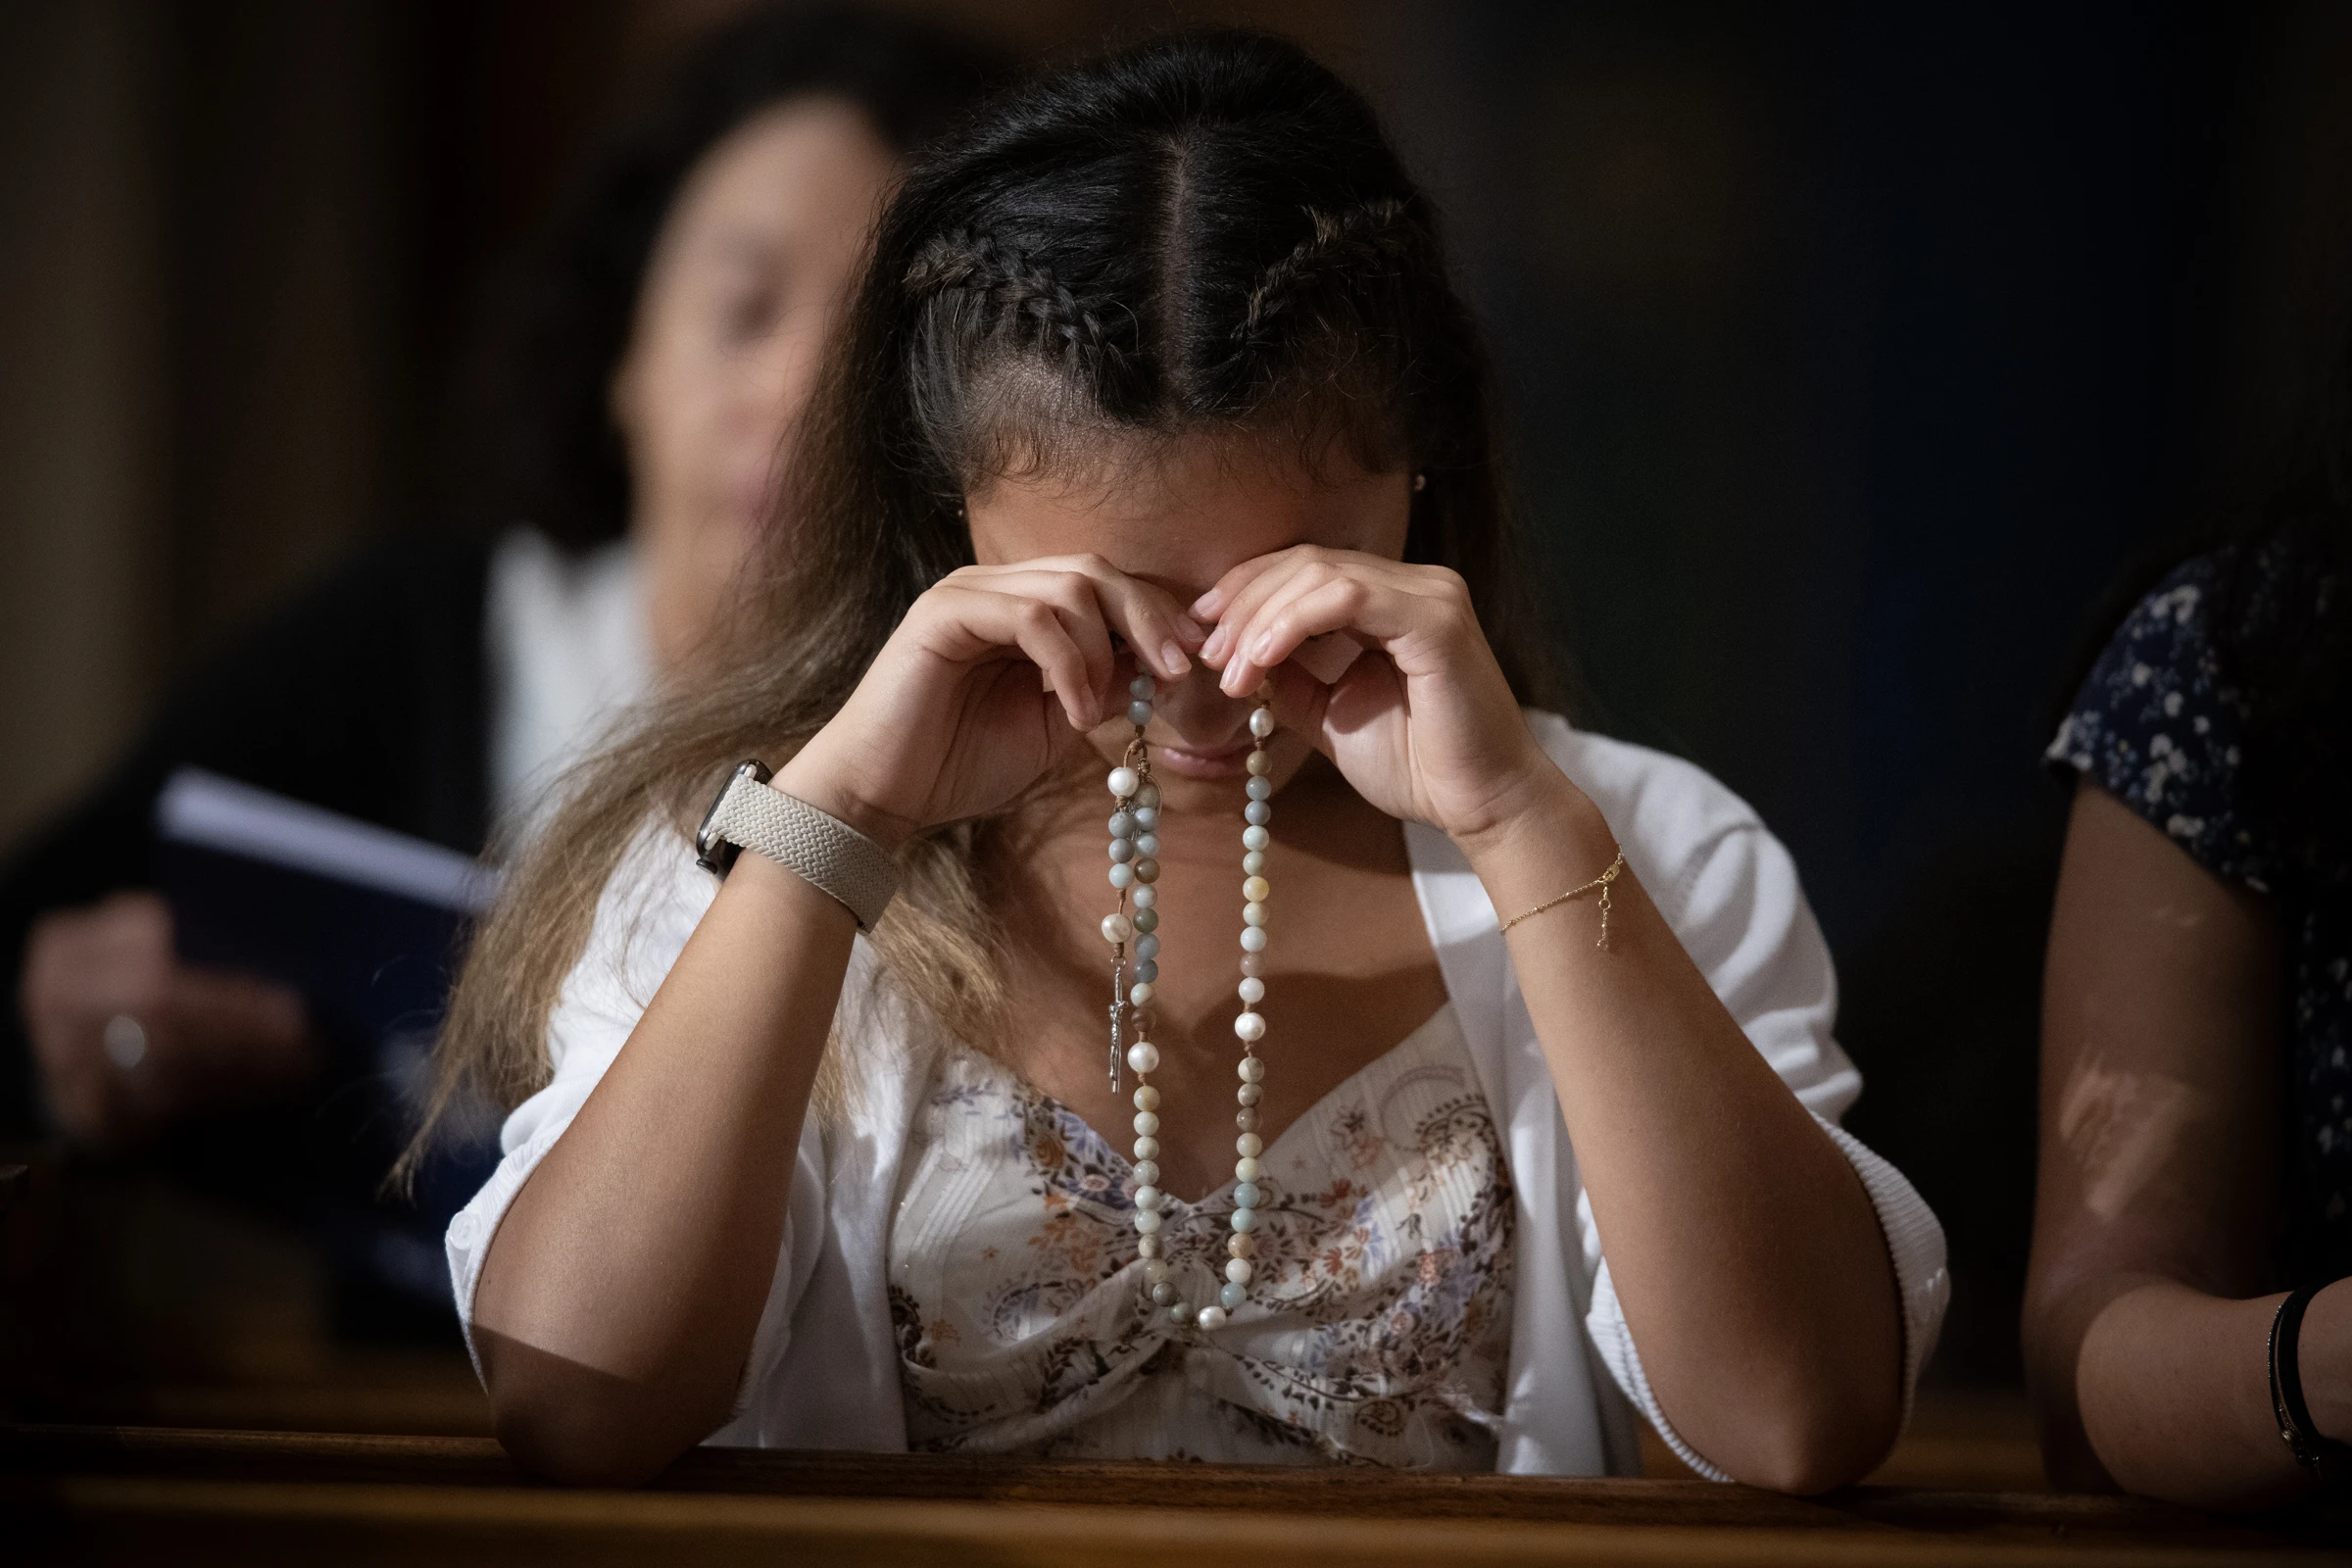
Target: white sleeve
x=656, y=898
x=1740, y=912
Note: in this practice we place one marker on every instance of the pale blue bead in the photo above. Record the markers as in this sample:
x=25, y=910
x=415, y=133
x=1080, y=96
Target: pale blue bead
x=1123, y=876
x=1146, y=919
x=1257, y=813
x=1254, y=938
x=1260, y=788
x=1233, y=1295
x=1244, y=1220
x=1123, y=824
x=1139, y=713
x=1148, y=844
x=1147, y=818
x=1122, y=849
x=1254, y=862
x=1149, y=969
x=1179, y=1313
x=1255, y=837
x=1147, y=947
x=1245, y=1196
x=1141, y=688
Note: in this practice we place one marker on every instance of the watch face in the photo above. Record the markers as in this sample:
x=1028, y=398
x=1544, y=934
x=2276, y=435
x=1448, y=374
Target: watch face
x=712, y=852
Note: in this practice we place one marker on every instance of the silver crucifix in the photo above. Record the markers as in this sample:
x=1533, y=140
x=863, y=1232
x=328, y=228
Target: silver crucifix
x=1118, y=1019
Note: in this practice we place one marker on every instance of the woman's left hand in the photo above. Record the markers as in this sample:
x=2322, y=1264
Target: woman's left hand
x=1422, y=723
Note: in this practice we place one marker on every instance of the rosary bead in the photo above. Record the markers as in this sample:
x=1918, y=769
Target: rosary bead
x=1243, y=1219
x=1122, y=877
x=1239, y=1270
x=1248, y=1169
x=1146, y=1221
x=1179, y=1313
x=1254, y=862
x=1147, y=1149
x=1147, y=869
x=1147, y=795
x=1155, y=1272
x=1255, y=837
x=1241, y=1246
x=1250, y=1094
x=1252, y=1069
x=1252, y=990
x=1122, y=849
x=1247, y=1195
x=1261, y=722
x=1123, y=824
x=1246, y=1119
x=1254, y=938
x=1147, y=818
x=1260, y=764
x=1233, y=1295
x=1144, y=1057
x=1253, y=964
x=1147, y=1173
x=1122, y=781
x=1117, y=928
x=1147, y=947
x=1139, y=713
x=1147, y=970
x=1146, y=920
x=1147, y=1097
x=1259, y=789
x=1163, y=1294
x=1254, y=914
x=1146, y=1124
x=1148, y=844
x=1257, y=813
x=1147, y=1198
x=1256, y=889
x=1251, y=1026
x=1249, y=1146
x=1142, y=688
x=1140, y=993
x=1211, y=1317
x=1148, y=1247
x=1145, y=897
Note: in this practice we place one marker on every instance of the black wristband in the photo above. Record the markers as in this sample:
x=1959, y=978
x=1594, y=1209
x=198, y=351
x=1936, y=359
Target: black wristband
x=2329, y=1459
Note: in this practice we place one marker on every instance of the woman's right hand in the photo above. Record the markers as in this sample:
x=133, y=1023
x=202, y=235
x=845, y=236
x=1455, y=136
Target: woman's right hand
x=994, y=674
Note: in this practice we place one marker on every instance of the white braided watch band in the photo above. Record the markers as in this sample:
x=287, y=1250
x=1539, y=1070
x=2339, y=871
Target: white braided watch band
x=820, y=849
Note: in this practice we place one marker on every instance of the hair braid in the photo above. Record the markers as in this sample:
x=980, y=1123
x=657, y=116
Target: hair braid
x=1016, y=291
x=1365, y=241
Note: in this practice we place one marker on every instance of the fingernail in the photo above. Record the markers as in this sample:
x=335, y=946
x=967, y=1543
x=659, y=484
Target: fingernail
x=1191, y=630
x=1206, y=607
x=1213, y=649
x=1172, y=660
x=1265, y=648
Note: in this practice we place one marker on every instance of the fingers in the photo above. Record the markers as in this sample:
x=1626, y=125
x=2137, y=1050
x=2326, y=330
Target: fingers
x=978, y=625
x=1303, y=595
x=1156, y=629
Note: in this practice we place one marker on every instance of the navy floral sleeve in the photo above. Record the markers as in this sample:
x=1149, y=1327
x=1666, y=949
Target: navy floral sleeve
x=2160, y=727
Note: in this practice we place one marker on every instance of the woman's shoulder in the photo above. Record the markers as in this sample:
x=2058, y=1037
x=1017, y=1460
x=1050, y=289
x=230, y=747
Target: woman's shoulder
x=2159, y=723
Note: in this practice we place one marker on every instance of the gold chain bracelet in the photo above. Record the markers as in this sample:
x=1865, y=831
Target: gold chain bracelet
x=1601, y=882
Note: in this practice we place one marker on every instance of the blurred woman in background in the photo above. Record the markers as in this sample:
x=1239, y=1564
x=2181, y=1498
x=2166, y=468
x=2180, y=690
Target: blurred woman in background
x=2188, y=1319
x=619, y=431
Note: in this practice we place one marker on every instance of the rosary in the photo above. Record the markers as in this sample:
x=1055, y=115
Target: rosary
x=1134, y=871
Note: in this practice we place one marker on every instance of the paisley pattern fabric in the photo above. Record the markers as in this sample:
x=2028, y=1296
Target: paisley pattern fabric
x=2159, y=725
x=1378, y=1328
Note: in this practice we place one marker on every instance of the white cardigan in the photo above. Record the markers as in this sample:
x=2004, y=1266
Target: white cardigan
x=823, y=1371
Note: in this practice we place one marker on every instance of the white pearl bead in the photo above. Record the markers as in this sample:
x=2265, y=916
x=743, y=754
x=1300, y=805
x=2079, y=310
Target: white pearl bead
x=1147, y=1097
x=1211, y=1317
x=1117, y=927
x=1122, y=875
x=1147, y=1198
x=1254, y=938
x=1141, y=993
x=1261, y=722
x=1255, y=837
x=1147, y=1247
x=1147, y=1123
x=1123, y=782
x=1249, y=1146
x=1254, y=862
x=1155, y=1272
x=1248, y=1169
x=1145, y=898
x=1147, y=1149
x=1257, y=890
x=1253, y=989
x=1146, y=1172
x=1146, y=1221
x=1251, y=1026
x=1250, y=1094
x=1239, y=1270
x=1143, y=1056
x=1254, y=914
x=1252, y=1069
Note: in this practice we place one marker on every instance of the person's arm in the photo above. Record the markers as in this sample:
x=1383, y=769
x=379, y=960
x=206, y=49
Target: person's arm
x=2147, y=1312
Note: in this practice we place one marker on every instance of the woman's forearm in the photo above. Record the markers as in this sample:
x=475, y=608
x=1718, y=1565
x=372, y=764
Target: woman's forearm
x=1743, y=1246
x=620, y=1294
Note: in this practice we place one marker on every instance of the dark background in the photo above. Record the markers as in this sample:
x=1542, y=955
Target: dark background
x=1850, y=351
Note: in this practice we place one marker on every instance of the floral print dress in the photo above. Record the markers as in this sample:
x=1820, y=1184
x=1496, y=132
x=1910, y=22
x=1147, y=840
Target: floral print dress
x=2159, y=725
x=1378, y=1327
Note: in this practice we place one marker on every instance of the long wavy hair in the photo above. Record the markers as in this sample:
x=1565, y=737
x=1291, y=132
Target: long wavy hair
x=1203, y=235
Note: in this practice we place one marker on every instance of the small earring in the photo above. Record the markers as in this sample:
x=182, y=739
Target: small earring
x=1420, y=482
